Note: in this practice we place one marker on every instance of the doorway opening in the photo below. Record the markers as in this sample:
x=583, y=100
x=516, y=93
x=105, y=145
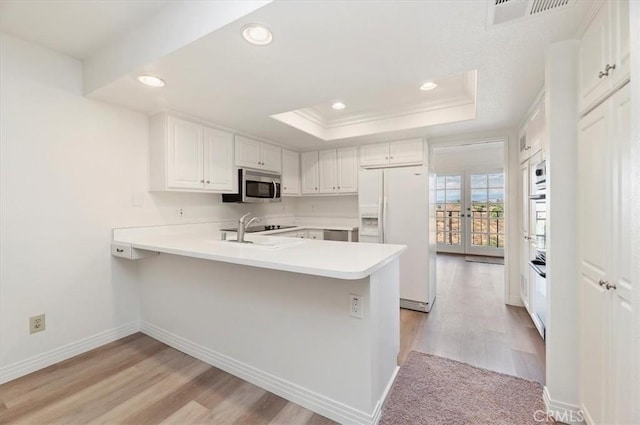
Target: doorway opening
x=470, y=216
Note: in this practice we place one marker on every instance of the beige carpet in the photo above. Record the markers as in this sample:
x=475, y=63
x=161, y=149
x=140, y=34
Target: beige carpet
x=432, y=390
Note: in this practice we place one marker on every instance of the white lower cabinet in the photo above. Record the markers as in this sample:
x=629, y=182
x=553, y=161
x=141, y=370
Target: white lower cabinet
x=187, y=156
x=605, y=283
x=315, y=234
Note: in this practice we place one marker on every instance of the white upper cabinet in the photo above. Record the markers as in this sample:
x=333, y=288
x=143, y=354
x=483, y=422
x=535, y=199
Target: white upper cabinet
x=254, y=154
x=604, y=53
x=338, y=170
x=347, y=170
x=290, y=172
x=403, y=152
x=309, y=161
x=328, y=171
x=406, y=152
x=186, y=156
x=373, y=155
x=218, y=153
x=532, y=133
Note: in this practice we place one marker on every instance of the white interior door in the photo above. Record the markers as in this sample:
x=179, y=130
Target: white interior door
x=484, y=211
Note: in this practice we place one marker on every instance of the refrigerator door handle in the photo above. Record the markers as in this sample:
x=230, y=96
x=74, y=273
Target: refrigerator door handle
x=380, y=221
x=384, y=219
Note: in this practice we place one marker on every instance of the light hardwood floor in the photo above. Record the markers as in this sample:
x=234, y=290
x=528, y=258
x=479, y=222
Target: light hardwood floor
x=138, y=380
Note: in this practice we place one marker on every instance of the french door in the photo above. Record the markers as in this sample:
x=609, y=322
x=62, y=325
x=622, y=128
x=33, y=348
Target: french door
x=470, y=212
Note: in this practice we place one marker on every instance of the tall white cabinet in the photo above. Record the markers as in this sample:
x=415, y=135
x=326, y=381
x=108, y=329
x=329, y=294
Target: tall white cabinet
x=605, y=284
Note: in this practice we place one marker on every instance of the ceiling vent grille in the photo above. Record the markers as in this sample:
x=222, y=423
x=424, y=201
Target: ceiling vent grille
x=501, y=11
x=540, y=6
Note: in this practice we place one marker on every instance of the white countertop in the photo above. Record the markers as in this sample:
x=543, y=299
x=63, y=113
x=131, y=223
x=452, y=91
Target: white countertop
x=341, y=260
x=302, y=227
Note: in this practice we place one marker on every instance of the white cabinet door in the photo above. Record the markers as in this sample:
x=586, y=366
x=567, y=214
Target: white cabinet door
x=309, y=162
x=327, y=171
x=406, y=152
x=347, y=170
x=621, y=37
x=290, y=172
x=271, y=158
x=622, y=330
x=247, y=153
x=315, y=234
x=185, y=156
x=218, y=161
x=594, y=56
x=594, y=201
x=524, y=234
x=372, y=155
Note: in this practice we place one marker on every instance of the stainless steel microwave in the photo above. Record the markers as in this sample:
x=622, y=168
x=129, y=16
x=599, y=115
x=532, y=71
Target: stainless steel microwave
x=255, y=187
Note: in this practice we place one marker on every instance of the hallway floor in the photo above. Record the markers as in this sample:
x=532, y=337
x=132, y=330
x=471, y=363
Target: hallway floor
x=469, y=322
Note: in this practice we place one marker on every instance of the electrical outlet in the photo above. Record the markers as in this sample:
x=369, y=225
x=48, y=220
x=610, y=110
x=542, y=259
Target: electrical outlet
x=37, y=324
x=355, y=306
x=180, y=213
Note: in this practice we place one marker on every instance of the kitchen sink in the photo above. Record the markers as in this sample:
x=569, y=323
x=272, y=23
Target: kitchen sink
x=266, y=242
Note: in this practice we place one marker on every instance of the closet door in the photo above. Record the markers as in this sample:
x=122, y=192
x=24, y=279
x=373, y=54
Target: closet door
x=594, y=245
x=621, y=331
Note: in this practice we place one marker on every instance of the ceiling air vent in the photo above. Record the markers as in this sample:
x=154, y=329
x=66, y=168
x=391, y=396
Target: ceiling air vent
x=501, y=11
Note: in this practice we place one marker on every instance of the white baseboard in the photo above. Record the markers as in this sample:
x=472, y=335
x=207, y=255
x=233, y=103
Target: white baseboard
x=377, y=413
x=318, y=403
x=515, y=301
x=32, y=364
x=563, y=412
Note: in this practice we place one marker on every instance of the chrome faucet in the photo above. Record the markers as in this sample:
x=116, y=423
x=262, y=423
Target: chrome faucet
x=242, y=226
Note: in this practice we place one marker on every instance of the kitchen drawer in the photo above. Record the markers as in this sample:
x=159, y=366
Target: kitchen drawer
x=315, y=234
x=126, y=251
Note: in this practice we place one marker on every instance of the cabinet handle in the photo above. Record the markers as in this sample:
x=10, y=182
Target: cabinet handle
x=607, y=68
x=391, y=157
x=338, y=187
x=316, y=188
x=386, y=157
x=201, y=181
x=602, y=282
x=334, y=188
x=119, y=250
x=610, y=285
x=208, y=182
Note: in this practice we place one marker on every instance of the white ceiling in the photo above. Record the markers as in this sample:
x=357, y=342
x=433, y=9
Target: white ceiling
x=323, y=51
x=76, y=28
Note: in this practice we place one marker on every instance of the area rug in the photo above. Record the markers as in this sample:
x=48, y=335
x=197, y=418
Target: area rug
x=480, y=259
x=431, y=390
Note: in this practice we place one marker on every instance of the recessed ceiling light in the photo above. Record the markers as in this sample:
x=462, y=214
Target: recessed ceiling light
x=338, y=105
x=151, y=81
x=429, y=85
x=257, y=34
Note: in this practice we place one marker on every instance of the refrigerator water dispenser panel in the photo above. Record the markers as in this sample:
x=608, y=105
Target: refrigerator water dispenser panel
x=369, y=220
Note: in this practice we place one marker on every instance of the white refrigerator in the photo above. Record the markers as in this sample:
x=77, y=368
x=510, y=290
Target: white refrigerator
x=396, y=206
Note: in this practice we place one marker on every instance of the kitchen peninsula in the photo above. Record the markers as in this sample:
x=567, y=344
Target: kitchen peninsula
x=278, y=313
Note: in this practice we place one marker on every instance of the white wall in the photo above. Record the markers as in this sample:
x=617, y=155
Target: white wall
x=71, y=168
x=468, y=157
x=345, y=206
x=561, y=95
x=512, y=169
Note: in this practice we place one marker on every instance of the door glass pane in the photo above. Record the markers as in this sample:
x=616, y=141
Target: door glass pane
x=453, y=196
x=448, y=206
x=478, y=181
x=478, y=195
x=487, y=210
x=454, y=182
x=496, y=180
